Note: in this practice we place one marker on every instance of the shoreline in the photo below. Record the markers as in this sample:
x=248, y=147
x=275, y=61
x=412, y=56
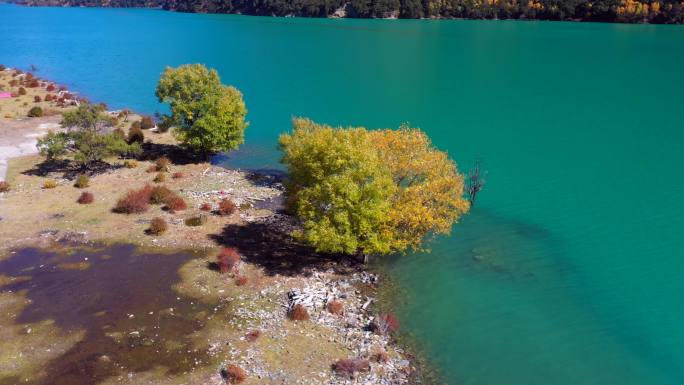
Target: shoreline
x=32, y=215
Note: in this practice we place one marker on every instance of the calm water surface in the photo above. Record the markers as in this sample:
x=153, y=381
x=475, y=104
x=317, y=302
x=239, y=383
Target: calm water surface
x=569, y=269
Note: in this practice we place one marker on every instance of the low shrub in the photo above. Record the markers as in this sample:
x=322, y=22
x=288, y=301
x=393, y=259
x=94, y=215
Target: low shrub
x=32, y=83
x=50, y=88
x=146, y=123
x=22, y=91
x=49, y=97
x=226, y=207
x=158, y=226
x=86, y=198
x=234, y=374
x=252, y=335
x=298, y=313
x=241, y=280
x=163, y=164
x=120, y=133
x=384, y=324
x=136, y=125
x=135, y=135
x=35, y=112
x=82, y=181
x=50, y=183
x=130, y=164
x=161, y=195
x=37, y=99
x=335, y=307
x=197, y=220
x=380, y=355
x=348, y=367
x=228, y=259
x=205, y=207
x=177, y=203
x=135, y=201
x=177, y=175
x=4, y=186
x=13, y=83
x=160, y=177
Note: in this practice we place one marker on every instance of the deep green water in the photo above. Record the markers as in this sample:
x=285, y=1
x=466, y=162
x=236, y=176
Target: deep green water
x=568, y=271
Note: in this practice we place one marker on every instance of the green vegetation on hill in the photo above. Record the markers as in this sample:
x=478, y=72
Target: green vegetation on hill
x=626, y=11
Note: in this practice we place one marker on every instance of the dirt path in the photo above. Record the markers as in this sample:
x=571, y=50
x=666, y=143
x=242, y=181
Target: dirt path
x=19, y=137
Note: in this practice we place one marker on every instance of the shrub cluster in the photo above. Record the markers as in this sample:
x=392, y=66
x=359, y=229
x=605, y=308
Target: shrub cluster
x=86, y=198
x=226, y=207
x=298, y=313
x=82, y=181
x=234, y=374
x=4, y=186
x=35, y=112
x=135, y=201
x=335, y=307
x=158, y=226
x=348, y=367
x=228, y=259
x=50, y=183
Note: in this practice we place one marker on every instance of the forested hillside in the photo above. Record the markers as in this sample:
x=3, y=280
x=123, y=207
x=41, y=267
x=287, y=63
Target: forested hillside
x=629, y=11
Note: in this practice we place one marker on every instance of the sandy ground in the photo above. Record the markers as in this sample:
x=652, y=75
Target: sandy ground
x=19, y=137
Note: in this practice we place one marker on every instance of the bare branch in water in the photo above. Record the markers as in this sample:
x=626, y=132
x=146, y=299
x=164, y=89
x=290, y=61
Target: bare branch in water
x=475, y=182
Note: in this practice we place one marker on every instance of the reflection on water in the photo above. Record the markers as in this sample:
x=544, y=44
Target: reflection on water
x=124, y=301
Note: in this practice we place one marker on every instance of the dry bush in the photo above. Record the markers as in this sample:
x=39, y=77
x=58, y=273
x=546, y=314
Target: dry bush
x=130, y=164
x=32, y=83
x=86, y=198
x=234, y=374
x=37, y=99
x=136, y=125
x=348, y=367
x=205, y=207
x=176, y=203
x=22, y=91
x=335, y=307
x=380, y=355
x=4, y=186
x=82, y=181
x=177, y=175
x=35, y=112
x=241, y=280
x=252, y=335
x=197, y=220
x=160, y=177
x=226, y=207
x=135, y=201
x=135, y=135
x=228, y=259
x=160, y=195
x=162, y=164
x=49, y=97
x=158, y=226
x=298, y=313
x=50, y=183
x=146, y=123
x=50, y=88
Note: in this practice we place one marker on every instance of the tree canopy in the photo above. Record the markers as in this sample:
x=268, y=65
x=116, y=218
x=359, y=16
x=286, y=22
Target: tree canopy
x=358, y=191
x=208, y=116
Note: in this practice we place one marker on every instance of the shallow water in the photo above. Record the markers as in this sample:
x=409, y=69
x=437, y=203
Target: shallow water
x=568, y=270
x=124, y=302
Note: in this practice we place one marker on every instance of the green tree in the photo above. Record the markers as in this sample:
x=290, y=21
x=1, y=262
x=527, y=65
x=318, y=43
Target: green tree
x=369, y=192
x=208, y=116
x=337, y=187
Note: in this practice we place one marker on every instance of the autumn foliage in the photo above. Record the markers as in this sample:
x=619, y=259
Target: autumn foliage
x=135, y=201
x=228, y=259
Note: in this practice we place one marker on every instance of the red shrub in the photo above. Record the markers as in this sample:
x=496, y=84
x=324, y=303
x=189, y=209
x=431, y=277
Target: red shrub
x=252, y=335
x=177, y=175
x=176, y=203
x=4, y=186
x=135, y=201
x=49, y=97
x=335, y=307
x=205, y=207
x=298, y=313
x=348, y=367
x=241, y=280
x=86, y=198
x=226, y=207
x=234, y=374
x=37, y=99
x=33, y=83
x=50, y=88
x=228, y=259
x=385, y=323
x=160, y=195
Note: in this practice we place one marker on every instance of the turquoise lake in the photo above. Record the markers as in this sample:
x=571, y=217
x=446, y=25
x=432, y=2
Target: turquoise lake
x=569, y=269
